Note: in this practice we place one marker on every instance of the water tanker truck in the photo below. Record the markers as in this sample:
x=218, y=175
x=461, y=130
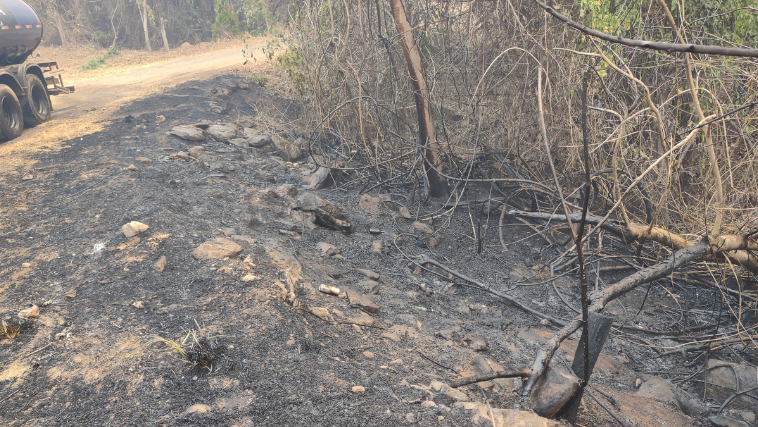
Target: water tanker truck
x=25, y=86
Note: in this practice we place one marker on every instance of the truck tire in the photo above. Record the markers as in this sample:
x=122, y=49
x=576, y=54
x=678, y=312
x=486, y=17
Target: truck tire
x=11, y=117
x=36, y=104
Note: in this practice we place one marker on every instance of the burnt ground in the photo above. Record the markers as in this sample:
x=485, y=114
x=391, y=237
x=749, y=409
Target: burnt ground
x=88, y=358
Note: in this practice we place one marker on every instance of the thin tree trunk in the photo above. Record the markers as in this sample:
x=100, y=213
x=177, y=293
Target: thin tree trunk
x=163, y=34
x=427, y=134
x=61, y=34
x=144, y=15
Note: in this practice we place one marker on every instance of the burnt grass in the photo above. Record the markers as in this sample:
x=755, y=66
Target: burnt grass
x=271, y=363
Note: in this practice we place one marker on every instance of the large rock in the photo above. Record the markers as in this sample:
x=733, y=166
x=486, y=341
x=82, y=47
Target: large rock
x=287, y=150
x=665, y=391
x=222, y=133
x=553, y=391
x=218, y=248
x=190, y=133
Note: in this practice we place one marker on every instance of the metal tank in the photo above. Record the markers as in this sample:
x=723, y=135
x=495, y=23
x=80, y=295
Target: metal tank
x=20, y=31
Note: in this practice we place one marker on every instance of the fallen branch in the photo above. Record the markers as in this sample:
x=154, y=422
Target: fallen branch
x=488, y=376
x=661, y=236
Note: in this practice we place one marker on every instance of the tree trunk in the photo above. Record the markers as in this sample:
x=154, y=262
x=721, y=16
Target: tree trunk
x=144, y=16
x=427, y=134
x=61, y=34
x=163, y=34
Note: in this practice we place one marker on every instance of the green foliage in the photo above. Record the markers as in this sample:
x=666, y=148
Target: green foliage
x=226, y=18
x=99, y=62
x=291, y=61
x=731, y=20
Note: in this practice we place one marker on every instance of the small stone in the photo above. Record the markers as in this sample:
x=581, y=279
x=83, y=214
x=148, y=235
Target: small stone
x=199, y=409
x=405, y=213
x=249, y=278
x=198, y=152
x=143, y=160
x=370, y=287
x=327, y=249
x=428, y=404
x=133, y=228
x=370, y=204
x=160, y=265
x=138, y=304
x=544, y=322
x=26, y=265
x=218, y=248
x=397, y=362
x=239, y=142
x=359, y=389
x=288, y=151
x=476, y=342
x=30, y=312
x=422, y=228
x=132, y=168
x=363, y=302
x=369, y=274
x=319, y=179
x=70, y=294
x=377, y=247
x=368, y=354
x=27, y=177
x=321, y=312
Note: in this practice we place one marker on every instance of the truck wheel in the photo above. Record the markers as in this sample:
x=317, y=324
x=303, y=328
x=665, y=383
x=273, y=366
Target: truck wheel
x=36, y=103
x=11, y=117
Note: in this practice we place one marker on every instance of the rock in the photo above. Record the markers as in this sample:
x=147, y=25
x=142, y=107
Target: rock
x=239, y=142
x=198, y=409
x=27, y=177
x=553, y=391
x=222, y=133
x=369, y=274
x=370, y=287
x=359, y=389
x=319, y=179
x=659, y=389
x=370, y=204
x=397, y=362
x=133, y=228
x=486, y=415
x=428, y=404
x=725, y=377
x=182, y=155
x=249, y=278
x=257, y=140
x=26, y=265
x=286, y=190
x=132, y=168
x=724, y=421
x=747, y=416
x=377, y=247
x=160, y=265
x=448, y=391
x=476, y=342
x=190, y=133
x=310, y=202
x=321, y=312
x=288, y=151
x=143, y=160
x=368, y=354
x=362, y=302
x=405, y=213
x=327, y=249
x=198, y=152
x=422, y=228
x=218, y=248
x=138, y=304
x=28, y=313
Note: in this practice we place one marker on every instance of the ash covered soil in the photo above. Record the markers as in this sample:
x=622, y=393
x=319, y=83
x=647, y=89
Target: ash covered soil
x=265, y=346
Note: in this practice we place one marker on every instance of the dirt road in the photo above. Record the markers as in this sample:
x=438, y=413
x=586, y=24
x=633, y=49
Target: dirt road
x=92, y=105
